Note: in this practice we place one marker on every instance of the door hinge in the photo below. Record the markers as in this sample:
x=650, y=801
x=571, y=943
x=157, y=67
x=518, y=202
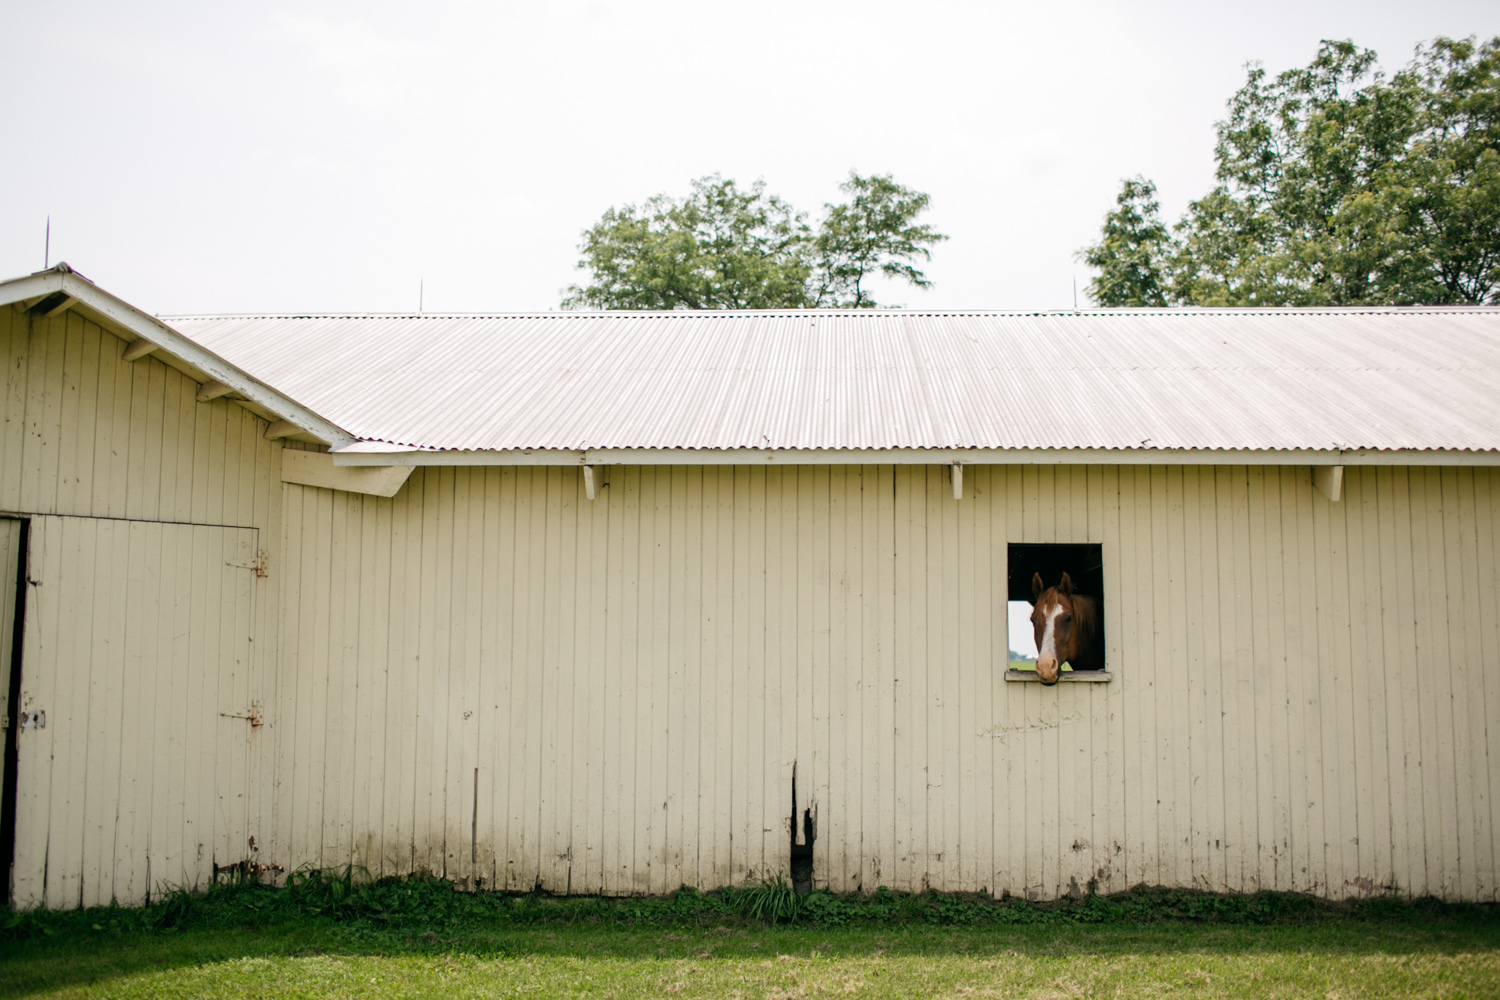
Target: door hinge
x=254, y=714
x=261, y=564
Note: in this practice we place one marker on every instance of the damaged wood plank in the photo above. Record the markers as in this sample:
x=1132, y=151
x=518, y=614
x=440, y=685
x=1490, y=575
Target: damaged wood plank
x=802, y=854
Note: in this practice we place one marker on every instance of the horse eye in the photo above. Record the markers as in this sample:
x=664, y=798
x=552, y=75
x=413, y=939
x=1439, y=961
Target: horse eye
x=1068, y=620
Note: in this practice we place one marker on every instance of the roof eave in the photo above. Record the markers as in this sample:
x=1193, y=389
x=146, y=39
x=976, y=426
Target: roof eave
x=377, y=453
x=124, y=317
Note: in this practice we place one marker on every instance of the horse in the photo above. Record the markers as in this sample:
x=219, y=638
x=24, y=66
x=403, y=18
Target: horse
x=1066, y=626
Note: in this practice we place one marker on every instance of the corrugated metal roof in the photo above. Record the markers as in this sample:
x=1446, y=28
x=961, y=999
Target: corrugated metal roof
x=1216, y=379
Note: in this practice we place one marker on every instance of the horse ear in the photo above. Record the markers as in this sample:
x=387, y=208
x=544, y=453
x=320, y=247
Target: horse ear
x=1067, y=585
x=1036, y=587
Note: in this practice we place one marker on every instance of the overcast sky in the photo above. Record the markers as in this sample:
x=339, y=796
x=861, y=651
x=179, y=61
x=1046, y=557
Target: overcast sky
x=212, y=157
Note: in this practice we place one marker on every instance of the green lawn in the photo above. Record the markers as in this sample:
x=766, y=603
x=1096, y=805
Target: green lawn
x=1330, y=958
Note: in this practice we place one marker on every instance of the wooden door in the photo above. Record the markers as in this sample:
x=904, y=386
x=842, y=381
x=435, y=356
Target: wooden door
x=137, y=711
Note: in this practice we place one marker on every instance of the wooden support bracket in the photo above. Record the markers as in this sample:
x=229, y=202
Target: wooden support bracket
x=1329, y=479
x=55, y=309
x=212, y=390
x=958, y=481
x=137, y=349
x=314, y=468
x=590, y=484
x=281, y=429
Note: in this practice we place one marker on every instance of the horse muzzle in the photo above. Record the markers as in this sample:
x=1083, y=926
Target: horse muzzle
x=1048, y=670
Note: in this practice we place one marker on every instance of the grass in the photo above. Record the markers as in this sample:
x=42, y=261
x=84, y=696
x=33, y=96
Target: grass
x=338, y=937
x=1342, y=960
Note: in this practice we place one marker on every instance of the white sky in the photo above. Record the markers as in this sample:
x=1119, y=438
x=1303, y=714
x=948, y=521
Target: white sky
x=211, y=157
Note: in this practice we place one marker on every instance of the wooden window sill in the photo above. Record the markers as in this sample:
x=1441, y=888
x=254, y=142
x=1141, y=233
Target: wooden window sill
x=1066, y=677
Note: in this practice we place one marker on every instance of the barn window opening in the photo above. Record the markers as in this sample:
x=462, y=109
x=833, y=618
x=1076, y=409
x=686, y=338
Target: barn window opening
x=1076, y=650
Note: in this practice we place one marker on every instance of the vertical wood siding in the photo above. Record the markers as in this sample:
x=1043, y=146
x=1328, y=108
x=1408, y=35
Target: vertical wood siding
x=491, y=677
x=125, y=454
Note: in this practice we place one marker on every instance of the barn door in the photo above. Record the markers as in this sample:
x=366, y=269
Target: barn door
x=137, y=712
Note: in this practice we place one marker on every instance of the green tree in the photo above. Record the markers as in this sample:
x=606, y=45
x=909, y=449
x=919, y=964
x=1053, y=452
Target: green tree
x=721, y=247
x=1132, y=255
x=1292, y=152
x=724, y=247
x=1338, y=186
x=1435, y=211
x=875, y=232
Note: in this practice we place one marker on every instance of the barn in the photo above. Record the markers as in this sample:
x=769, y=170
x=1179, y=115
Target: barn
x=615, y=603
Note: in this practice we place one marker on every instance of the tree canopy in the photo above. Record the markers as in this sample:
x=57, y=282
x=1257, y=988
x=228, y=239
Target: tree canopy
x=727, y=247
x=1335, y=186
x=1130, y=255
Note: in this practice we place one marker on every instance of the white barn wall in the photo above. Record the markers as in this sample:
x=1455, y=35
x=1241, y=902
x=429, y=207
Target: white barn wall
x=491, y=677
x=112, y=461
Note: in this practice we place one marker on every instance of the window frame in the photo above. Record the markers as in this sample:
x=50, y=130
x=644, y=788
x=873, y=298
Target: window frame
x=1018, y=580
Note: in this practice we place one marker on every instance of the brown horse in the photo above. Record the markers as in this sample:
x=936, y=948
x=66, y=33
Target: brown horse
x=1066, y=626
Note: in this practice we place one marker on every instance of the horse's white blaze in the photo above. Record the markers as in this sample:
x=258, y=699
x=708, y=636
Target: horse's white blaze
x=1049, y=636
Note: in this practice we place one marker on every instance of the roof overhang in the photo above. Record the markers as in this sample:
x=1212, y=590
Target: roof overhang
x=60, y=288
x=379, y=453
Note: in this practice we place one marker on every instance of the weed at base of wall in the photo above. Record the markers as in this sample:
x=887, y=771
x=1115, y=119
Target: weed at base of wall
x=418, y=902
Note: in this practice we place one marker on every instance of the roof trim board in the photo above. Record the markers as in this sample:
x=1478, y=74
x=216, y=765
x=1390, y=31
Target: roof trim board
x=354, y=455
x=123, y=315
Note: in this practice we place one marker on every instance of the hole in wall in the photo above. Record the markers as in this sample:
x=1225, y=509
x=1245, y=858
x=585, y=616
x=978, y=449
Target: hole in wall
x=802, y=853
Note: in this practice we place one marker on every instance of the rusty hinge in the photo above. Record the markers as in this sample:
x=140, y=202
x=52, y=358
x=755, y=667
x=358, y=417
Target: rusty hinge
x=261, y=564
x=255, y=714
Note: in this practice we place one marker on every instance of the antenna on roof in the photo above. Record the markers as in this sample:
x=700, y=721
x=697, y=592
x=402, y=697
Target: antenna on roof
x=47, y=247
x=1075, y=293
x=421, y=293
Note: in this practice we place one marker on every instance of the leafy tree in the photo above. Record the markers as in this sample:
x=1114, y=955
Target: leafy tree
x=724, y=247
x=874, y=233
x=1291, y=152
x=1338, y=186
x=719, y=248
x=1131, y=256
x=1436, y=210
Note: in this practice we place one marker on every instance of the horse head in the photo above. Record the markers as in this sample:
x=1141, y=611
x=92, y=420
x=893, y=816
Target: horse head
x=1057, y=633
